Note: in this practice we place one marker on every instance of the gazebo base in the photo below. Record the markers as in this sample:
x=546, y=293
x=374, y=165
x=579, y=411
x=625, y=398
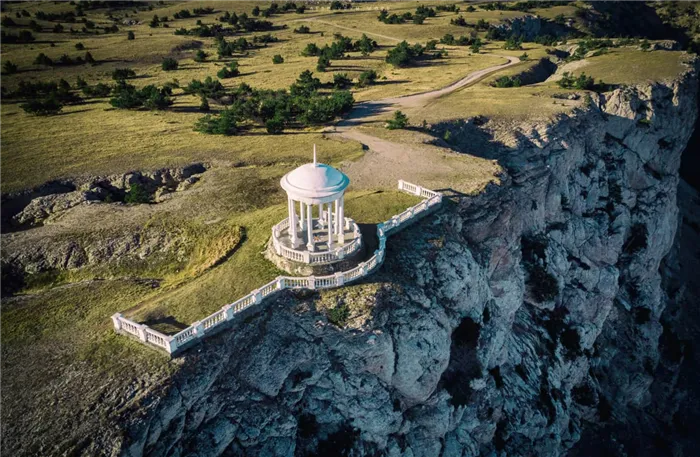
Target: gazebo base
x=305, y=269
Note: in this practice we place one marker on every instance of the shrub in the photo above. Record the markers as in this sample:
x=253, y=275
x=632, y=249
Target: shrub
x=155, y=98
x=399, y=121
x=524, y=57
x=366, y=78
x=302, y=29
x=310, y=50
x=323, y=63
x=365, y=45
x=513, y=43
x=583, y=82
x=275, y=125
x=507, y=81
x=277, y=59
x=97, y=91
x=130, y=35
x=204, y=106
x=341, y=81
x=9, y=67
x=121, y=74
x=229, y=71
x=169, y=64
x=339, y=315
x=403, y=54
x=223, y=124
x=44, y=107
x=137, y=194
x=645, y=45
x=43, y=59
x=79, y=46
x=200, y=56
x=89, y=59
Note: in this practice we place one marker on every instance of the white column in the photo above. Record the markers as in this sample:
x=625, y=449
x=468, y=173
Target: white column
x=301, y=214
x=293, y=223
x=330, y=227
x=341, y=220
x=336, y=221
x=320, y=213
x=309, y=228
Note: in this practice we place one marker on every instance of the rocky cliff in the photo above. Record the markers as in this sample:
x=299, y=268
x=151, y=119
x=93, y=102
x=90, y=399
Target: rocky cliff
x=508, y=324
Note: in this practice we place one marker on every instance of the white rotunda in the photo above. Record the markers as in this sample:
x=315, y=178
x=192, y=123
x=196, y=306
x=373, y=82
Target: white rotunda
x=319, y=233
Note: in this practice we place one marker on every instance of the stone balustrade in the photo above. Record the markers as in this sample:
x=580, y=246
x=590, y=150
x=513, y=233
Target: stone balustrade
x=174, y=343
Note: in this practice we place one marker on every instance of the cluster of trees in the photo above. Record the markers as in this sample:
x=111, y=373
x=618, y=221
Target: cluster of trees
x=521, y=6
x=393, y=18
x=302, y=105
x=65, y=60
x=595, y=44
x=336, y=50
x=405, y=55
x=513, y=43
x=340, y=46
x=121, y=74
x=246, y=23
x=43, y=98
x=582, y=82
x=185, y=14
x=507, y=81
x=126, y=96
x=205, y=31
x=275, y=8
x=474, y=42
x=227, y=48
x=229, y=71
x=23, y=36
x=448, y=8
x=338, y=5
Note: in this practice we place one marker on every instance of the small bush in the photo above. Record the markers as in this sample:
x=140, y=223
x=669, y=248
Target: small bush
x=339, y=315
x=323, y=63
x=367, y=78
x=121, y=74
x=524, y=57
x=399, y=121
x=200, y=56
x=99, y=90
x=45, y=107
x=223, y=124
x=275, y=125
x=130, y=35
x=303, y=29
x=229, y=71
x=79, y=46
x=9, y=67
x=169, y=64
x=277, y=59
x=137, y=194
x=507, y=81
x=204, y=106
x=341, y=81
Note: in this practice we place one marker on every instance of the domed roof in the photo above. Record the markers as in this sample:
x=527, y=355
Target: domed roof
x=314, y=180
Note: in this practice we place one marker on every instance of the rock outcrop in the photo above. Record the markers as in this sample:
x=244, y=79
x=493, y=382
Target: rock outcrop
x=507, y=325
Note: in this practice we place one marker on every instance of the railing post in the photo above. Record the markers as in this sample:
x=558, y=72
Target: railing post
x=280, y=283
x=198, y=329
x=171, y=345
x=228, y=312
x=142, y=332
x=419, y=189
x=307, y=257
x=312, y=282
x=364, y=269
x=339, y=278
x=257, y=296
x=116, y=319
x=400, y=184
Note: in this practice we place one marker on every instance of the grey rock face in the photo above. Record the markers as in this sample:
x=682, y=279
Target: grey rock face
x=503, y=326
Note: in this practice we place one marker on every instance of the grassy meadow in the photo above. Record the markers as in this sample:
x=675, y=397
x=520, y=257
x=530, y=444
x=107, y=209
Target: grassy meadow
x=225, y=220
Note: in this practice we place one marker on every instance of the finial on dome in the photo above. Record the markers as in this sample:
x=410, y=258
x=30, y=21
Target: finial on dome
x=314, y=155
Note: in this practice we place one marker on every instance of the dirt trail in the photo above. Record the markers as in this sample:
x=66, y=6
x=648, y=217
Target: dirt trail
x=386, y=161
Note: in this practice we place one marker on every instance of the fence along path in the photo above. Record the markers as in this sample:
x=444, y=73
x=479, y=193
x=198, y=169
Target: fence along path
x=200, y=329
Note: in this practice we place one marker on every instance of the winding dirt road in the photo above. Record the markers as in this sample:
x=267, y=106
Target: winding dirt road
x=385, y=161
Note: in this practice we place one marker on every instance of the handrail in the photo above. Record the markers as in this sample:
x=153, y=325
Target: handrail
x=200, y=329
